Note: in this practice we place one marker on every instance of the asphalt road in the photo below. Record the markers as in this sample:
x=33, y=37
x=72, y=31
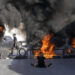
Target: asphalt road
x=23, y=67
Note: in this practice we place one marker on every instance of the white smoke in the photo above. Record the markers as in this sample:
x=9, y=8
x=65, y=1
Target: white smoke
x=21, y=36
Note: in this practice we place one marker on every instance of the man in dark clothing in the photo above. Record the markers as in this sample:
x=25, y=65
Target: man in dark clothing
x=14, y=43
x=41, y=61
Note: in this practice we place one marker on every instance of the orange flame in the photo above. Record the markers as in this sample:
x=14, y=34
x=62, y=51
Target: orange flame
x=1, y=29
x=69, y=50
x=47, y=47
x=73, y=45
x=73, y=42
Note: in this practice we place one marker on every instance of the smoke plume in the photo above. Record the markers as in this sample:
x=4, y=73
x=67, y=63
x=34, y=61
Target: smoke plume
x=40, y=17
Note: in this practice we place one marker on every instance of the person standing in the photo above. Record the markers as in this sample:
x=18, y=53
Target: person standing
x=14, y=43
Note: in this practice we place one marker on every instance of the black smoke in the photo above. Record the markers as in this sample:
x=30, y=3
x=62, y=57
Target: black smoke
x=40, y=17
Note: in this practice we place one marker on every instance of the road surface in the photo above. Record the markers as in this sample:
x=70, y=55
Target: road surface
x=23, y=67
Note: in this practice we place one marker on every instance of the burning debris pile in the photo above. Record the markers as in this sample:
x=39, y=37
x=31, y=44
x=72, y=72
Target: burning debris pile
x=47, y=47
x=73, y=42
